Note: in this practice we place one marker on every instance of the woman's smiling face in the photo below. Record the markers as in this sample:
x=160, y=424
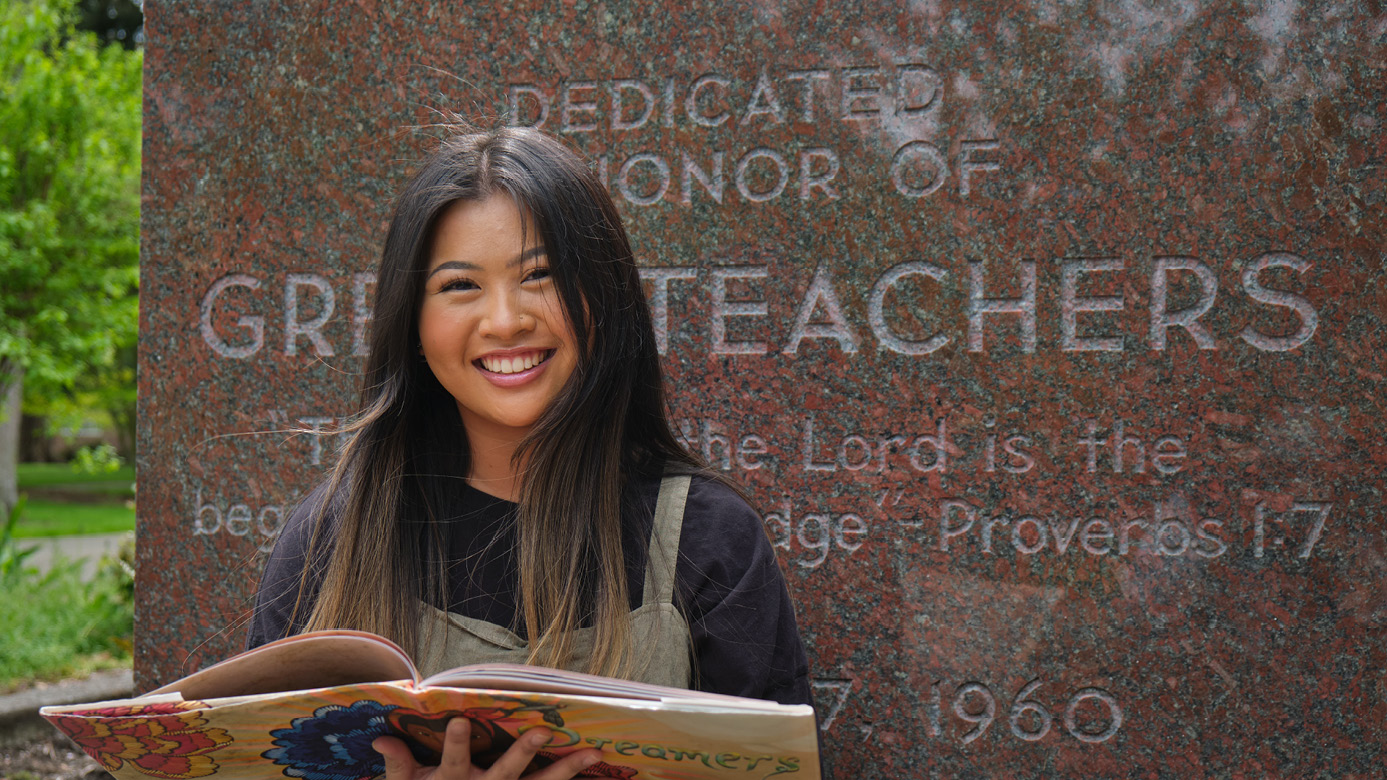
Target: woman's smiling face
x=490, y=324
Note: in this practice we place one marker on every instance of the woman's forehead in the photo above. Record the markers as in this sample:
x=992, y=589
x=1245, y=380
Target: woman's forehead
x=485, y=231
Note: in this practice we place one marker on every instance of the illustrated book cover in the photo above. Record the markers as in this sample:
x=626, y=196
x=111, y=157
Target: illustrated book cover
x=309, y=707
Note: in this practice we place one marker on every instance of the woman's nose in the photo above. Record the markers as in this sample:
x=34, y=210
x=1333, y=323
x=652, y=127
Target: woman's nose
x=505, y=316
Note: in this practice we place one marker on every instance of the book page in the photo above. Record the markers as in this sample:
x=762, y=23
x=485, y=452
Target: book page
x=517, y=677
x=319, y=659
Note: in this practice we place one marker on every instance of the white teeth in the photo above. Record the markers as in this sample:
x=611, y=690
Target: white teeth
x=513, y=365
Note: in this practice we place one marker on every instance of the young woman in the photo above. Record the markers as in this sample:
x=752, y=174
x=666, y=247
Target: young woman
x=511, y=489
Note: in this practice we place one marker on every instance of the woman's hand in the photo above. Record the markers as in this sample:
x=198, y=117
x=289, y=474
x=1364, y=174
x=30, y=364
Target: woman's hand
x=457, y=758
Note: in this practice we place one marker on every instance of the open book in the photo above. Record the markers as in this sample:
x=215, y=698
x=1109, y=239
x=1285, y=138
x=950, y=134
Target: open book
x=309, y=707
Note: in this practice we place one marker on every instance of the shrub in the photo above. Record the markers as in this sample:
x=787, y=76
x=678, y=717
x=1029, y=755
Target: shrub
x=55, y=623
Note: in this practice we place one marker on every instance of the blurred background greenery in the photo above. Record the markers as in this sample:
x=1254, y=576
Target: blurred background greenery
x=70, y=103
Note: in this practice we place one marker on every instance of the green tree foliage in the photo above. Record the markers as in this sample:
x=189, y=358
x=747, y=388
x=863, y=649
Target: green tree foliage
x=69, y=204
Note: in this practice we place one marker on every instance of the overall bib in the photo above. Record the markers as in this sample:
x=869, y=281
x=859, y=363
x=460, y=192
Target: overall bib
x=658, y=631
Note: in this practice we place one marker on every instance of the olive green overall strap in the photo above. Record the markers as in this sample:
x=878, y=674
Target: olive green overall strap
x=664, y=540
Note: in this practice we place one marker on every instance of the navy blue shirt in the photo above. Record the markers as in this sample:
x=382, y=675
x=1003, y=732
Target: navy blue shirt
x=729, y=585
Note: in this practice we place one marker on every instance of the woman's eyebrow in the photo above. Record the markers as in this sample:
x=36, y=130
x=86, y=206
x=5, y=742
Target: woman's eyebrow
x=465, y=266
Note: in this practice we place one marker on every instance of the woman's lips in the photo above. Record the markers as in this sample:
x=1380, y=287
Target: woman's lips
x=514, y=368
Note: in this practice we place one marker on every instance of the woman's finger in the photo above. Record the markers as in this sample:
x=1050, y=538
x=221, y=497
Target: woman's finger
x=399, y=762
x=518, y=756
x=568, y=766
x=456, y=763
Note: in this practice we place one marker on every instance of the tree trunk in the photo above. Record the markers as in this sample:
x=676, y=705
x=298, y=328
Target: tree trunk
x=11, y=398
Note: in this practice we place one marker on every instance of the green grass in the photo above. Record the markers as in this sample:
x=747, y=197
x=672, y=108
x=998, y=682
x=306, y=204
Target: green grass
x=56, y=625
x=56, y=518
x=63, y=502
x=61, y=477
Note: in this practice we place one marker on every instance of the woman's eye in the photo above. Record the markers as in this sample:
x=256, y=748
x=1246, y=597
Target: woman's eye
x=536, y=274
x=457, y=284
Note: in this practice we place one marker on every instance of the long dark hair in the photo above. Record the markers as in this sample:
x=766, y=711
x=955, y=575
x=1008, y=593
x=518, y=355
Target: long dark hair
x=407, y=446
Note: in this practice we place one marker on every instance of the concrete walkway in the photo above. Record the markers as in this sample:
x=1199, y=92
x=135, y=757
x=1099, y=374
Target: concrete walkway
x=19, y=711
x=88, y=549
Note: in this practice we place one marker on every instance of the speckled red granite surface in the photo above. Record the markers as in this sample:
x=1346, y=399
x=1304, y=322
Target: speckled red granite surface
x=985, y=590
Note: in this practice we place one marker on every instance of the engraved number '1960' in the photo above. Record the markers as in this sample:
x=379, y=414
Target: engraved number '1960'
x=1091, y=715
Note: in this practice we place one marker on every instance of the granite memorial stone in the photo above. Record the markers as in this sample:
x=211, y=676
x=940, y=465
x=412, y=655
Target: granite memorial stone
x=1049, y=337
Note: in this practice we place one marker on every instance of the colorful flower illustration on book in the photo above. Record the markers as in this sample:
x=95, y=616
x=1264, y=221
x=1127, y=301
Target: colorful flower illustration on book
x=160, y=740
x=334, y=743
x=489, y=738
